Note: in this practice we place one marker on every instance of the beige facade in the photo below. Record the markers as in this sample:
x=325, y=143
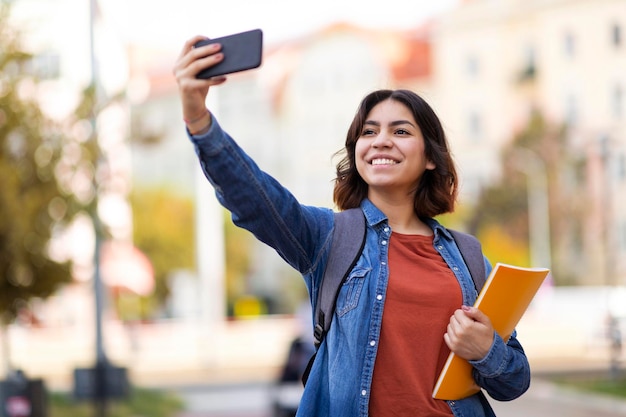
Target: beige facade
x=494, y=60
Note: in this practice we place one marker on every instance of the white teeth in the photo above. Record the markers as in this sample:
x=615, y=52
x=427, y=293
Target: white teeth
x=383, y=161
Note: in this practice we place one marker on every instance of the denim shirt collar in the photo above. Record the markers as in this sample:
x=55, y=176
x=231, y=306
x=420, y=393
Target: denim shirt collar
x=374, y=216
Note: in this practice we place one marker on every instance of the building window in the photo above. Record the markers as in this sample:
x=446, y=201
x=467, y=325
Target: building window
x=617, y=102
x=472, y=66
x=571, y=110
x=529, y=69
x=621, y=167
x=616, y=35
x=475, y=127
x=569, y=45
x=623, y=237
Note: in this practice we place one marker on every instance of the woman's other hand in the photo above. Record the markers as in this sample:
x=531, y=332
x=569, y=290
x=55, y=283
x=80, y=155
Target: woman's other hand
x=469, y=333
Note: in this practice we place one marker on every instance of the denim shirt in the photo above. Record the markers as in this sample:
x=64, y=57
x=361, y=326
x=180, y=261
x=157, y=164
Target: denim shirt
x=341, y=377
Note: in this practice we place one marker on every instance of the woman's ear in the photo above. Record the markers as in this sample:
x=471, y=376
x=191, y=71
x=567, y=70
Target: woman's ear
x=430, y=165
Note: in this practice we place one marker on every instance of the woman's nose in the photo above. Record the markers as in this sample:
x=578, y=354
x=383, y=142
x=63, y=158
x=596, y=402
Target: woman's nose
x=382, y=140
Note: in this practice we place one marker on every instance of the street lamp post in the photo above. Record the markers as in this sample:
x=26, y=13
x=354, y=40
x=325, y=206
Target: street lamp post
x=612, y=325
x=538, y=206
x=100, y=371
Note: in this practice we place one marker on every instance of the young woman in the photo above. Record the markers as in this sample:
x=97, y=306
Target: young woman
x=405, y=304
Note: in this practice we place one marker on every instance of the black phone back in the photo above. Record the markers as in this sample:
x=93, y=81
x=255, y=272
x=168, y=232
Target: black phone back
x=242, y=51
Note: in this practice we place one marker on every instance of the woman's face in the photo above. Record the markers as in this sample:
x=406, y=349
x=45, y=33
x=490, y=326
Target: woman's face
x=389, y=153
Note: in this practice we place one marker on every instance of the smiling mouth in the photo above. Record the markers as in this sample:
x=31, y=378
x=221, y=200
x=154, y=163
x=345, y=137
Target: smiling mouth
x=383, y=161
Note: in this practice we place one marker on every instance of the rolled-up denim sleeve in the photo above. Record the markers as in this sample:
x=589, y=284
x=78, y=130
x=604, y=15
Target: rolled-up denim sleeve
x=504, y=372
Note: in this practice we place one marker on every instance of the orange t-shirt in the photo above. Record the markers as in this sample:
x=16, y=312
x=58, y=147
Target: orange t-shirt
x=422, y=294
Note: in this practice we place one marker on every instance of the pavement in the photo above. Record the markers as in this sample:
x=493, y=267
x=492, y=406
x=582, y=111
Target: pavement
x=544, y=399
x=242, y=390
x=239, y=398
x=228, y=371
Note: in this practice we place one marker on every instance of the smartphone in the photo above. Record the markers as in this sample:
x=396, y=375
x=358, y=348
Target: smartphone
x=242, y=51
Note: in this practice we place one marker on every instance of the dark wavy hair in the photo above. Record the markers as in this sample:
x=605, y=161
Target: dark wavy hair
x=437, y=190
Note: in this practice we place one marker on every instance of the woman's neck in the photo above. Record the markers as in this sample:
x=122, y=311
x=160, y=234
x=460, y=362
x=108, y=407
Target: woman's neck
x=401, y=215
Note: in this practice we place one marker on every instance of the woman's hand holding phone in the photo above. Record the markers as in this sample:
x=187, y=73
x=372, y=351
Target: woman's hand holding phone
x=193, y=91
x=204, y=63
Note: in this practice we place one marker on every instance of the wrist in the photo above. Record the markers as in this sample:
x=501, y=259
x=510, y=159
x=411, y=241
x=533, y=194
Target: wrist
x=199, y=124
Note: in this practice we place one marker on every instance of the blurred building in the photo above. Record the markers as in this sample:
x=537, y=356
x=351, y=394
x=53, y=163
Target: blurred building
x=496, y=61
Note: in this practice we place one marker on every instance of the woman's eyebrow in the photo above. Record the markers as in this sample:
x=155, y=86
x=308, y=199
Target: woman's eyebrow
x=394, y=123
x=401, y=122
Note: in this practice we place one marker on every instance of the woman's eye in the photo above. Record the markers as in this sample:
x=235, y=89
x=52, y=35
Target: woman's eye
x=402, y=132
x=367, y=132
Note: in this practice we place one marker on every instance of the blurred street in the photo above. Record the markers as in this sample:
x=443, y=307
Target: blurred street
x=543, y=399
x=228, y=372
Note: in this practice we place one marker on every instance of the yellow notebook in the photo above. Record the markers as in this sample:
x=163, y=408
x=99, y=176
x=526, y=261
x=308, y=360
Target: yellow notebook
x=505, y=297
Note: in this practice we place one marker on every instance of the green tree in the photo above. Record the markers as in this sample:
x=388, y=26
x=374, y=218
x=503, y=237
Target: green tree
x=501, y=215
x=238, y=245
x=163, y=230
x=38, y=163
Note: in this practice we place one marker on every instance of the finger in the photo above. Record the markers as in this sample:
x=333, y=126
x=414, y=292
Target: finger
x=452, y=338
x=460, y=325
x=189, y=45
x=193, y=59
x=452, y=330
x=186, y=73
x=462, y=318
x=476, y=315
x=198, y=59
x=204, y=62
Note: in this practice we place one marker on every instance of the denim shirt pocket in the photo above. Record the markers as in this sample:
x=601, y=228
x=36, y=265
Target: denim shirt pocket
x=350, y=291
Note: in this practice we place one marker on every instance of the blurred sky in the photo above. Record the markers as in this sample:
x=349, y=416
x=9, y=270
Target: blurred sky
x=167, y=24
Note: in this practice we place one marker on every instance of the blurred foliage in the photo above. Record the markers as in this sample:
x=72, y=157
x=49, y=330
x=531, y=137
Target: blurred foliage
x=594, y=382
x=497, y=246
x=141, y=403
x=163, y=229
x=500, y=217
x=238, y=243
x=40, y=162
x=501, y=247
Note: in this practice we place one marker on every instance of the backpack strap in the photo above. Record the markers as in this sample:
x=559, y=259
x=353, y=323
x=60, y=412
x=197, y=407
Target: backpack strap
x=347, y=244
x=345, y=249
x=472, y=254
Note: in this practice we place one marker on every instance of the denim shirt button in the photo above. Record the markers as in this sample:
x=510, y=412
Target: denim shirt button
x=363, y=393
x=384, y=242
x=372, y=343
x=379, y=297
x=456, y=268
x=386, y=229
x=440, y=247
